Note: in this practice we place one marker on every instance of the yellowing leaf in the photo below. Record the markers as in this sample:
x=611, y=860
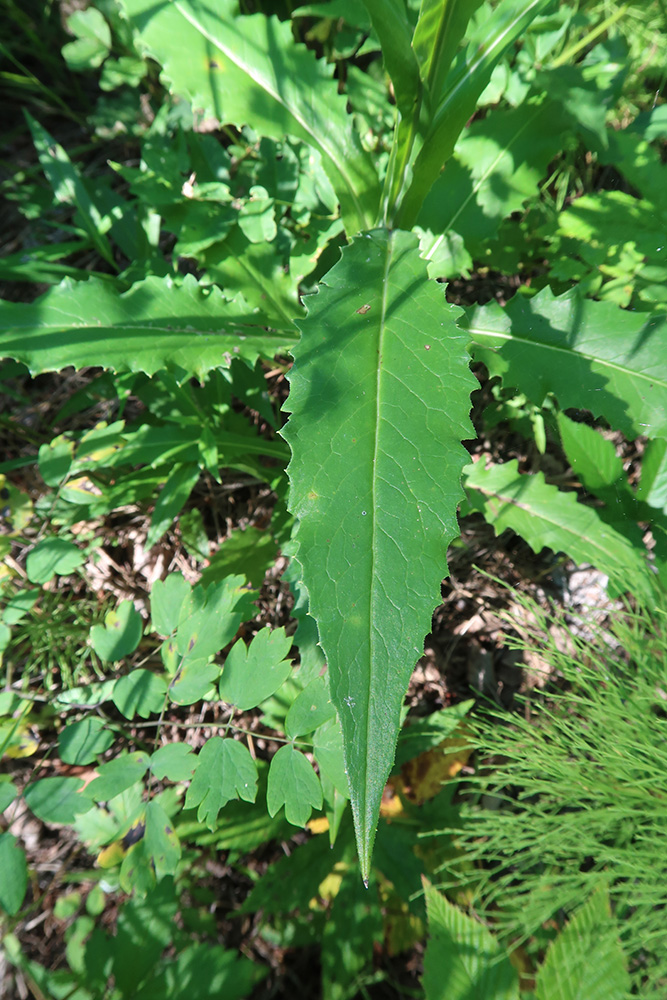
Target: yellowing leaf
x=113, y=855
x=319, y=825
x=22, y=744
x=423, y=777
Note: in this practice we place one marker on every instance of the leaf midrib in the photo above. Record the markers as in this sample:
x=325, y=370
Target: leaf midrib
x=374, y=533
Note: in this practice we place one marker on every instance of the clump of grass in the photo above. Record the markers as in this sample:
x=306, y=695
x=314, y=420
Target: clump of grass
x=572, y=788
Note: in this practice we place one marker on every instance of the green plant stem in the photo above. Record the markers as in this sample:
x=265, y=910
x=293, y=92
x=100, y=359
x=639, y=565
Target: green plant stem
x=399, y=162
x=569, y=53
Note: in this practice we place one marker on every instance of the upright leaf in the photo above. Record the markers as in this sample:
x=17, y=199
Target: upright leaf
x=391, y=25
x=69, y=188
x=379, y=404
x=250, y=71
x=178, y=487
x=438, y=34
x=464, y=83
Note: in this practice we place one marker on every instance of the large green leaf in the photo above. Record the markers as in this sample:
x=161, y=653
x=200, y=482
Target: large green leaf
x=545, y=516
x=154, y=325
x=379, y=404
x=590, y=355
x=250, y=71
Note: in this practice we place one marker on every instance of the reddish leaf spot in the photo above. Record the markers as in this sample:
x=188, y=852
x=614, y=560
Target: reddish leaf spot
x=364, y=309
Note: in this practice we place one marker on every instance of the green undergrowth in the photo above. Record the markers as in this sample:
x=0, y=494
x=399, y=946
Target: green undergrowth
x=569, y=793
x=287, y=293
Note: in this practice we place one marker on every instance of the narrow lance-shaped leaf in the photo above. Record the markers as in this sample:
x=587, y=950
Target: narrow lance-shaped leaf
x=545, y=516
x=154, y=325
x=464, y=83
x=250, y=71
x=392, y=27
x=14, y=874
x=438, y=33
x=69, y=188
x=379, y=403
